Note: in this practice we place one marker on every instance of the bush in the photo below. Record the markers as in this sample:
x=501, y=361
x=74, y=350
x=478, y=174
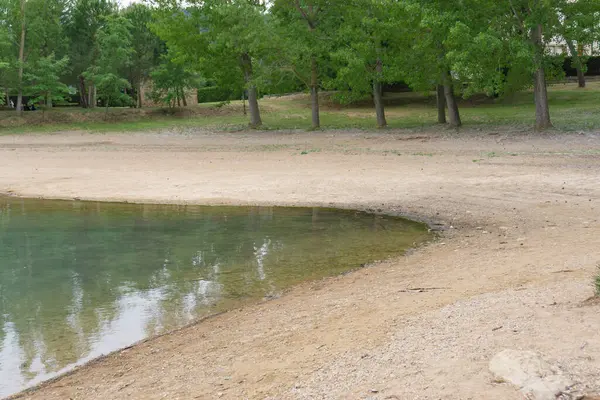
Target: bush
x=212, y=94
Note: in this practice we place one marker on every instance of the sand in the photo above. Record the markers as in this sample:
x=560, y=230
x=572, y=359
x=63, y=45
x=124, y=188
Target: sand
x=512, y=266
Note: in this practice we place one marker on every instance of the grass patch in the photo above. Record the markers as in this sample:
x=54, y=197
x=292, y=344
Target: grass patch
x=597, y=282
x=571, y=108
x=305, y=152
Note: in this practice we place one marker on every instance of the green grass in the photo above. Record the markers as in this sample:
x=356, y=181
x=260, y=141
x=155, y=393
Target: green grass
x=572, y=109
x=597, y=282
x=216, y=122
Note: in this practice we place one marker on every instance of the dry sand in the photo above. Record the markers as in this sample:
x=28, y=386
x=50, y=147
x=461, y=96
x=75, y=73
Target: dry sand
x=511, y=269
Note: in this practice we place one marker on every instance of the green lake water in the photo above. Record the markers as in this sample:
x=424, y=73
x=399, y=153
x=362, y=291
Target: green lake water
x=82, y=279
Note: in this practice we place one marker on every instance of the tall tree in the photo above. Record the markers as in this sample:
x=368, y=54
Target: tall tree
x=6, y=53
x=21, y=59
x=510, y=53
x=238, y=35
x=147, y=47
x=84, y=19
x=578, y=23
x=46, y=48
x=170, y=81
x=427, y=65
x=306, y=25
x=114, y=51
x=369, y=46
x=231, y=38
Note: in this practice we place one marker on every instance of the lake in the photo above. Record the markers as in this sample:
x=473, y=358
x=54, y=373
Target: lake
x=82, y=279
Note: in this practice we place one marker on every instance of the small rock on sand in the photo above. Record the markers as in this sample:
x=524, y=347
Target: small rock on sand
x=535, y=377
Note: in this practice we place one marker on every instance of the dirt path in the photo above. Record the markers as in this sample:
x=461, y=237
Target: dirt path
x=512, y=267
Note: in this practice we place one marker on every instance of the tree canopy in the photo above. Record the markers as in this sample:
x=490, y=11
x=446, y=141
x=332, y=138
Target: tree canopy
x=95, y=52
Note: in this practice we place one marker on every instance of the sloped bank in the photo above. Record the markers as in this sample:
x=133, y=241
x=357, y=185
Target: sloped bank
x=522, y=232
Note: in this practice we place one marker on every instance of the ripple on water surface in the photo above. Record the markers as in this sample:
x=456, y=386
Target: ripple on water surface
x=82, y=279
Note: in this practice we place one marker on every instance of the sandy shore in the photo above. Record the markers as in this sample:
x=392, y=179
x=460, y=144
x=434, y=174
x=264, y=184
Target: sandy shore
x=513, y=265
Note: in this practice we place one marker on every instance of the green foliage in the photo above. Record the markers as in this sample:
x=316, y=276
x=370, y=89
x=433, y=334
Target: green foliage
x=370, y=47
x=84, y=19
x=212, y=94
x=45, y=28
x=114, y=53
x=305, y=29
x=111, y=89
x=170, y=80
x=43, y=80
x=147, y=47
x=212, y=37
x=6, y=67
x=350, y=46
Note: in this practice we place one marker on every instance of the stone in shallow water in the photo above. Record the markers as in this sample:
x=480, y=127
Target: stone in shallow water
x=535, y=377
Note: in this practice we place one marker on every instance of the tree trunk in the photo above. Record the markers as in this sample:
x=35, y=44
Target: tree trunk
x=106, y=108
x=441, y=104
x=453, y=113
x=314, y=94
x=542, y=110
x=183, y=97
x=178, y=99
x=255, y=120
x=92, y=100
x=21, y=60
x=378, y=96
x=379, y=107
x=244, y=101
x=139, y=96
x=49, y=100
x=580, y=78
x=577, y=63
x=82, y=92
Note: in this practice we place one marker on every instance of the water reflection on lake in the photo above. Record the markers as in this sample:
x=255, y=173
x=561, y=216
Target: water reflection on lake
x=81, y=279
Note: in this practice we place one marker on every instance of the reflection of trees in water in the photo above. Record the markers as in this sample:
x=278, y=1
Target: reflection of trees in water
x=68, y=270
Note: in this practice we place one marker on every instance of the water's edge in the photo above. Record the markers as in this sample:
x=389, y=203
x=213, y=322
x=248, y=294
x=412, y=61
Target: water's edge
x=433, y=223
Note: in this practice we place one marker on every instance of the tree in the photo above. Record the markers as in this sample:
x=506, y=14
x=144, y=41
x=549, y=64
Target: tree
x=238, y=35
x=43, y=82
x=578, y=26
x=85, y=18
x=506, y=51
x=6, y=59
x=369, y=46
x=45, y=28
x=21, y=59
x=147, y=47
x=232, y=39
x=529, y=20
x=114, y=54
x=170, y=80
x=306, y=26
x=427, y=65
x=40, y=35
